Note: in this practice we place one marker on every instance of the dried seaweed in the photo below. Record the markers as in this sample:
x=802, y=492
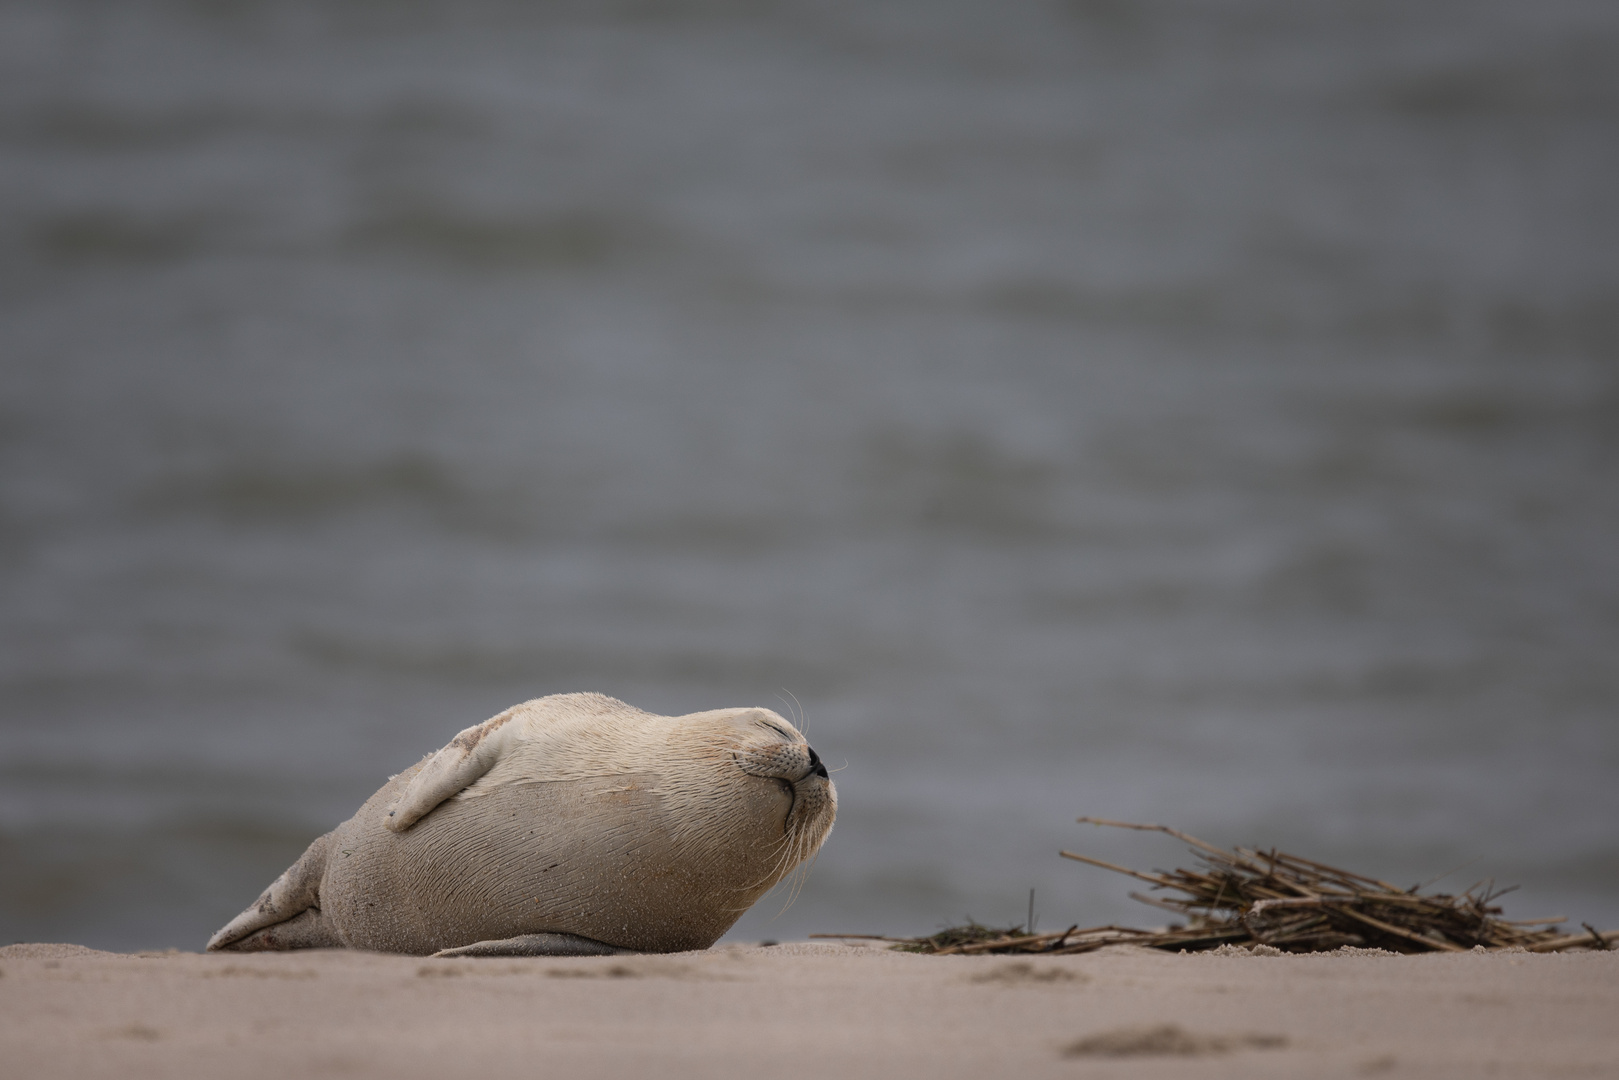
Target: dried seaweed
x=1246, y=897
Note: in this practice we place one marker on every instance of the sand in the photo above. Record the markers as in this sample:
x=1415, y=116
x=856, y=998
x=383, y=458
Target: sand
x=817, y=1009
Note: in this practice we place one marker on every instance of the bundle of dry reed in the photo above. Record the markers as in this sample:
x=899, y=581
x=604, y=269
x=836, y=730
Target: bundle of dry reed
x=1246, y=897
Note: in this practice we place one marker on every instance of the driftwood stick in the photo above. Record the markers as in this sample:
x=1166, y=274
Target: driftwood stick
x=1342, y=874
x=1432, y=943
x=1607, y=937
x=1177, y=906
x=1176, y=833
x=1019, y=943
x=1118, y=869
x=1296, y=901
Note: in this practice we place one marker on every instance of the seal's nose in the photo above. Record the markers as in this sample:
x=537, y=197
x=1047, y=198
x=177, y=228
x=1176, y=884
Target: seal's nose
x=817, y=766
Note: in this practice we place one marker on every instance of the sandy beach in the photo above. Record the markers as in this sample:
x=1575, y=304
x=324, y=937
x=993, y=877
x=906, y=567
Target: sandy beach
x=843, y=1010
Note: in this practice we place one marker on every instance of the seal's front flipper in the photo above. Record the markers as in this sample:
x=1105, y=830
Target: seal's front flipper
x=453, y=769
x=289, y=896
x=538, y=945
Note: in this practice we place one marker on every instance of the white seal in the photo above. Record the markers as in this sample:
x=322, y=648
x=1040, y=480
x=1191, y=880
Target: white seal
x=567, y=825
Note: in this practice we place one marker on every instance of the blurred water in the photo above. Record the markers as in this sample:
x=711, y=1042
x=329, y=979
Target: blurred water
x=1201, y=413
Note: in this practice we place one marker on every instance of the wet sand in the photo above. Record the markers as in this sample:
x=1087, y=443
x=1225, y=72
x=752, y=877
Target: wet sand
x=838, y=1010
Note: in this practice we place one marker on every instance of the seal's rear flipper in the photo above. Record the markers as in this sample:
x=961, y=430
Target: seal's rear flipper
x=538, y=945
x=288, y=897
x=309, y=929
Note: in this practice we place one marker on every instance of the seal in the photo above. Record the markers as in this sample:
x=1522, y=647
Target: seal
x=567, y=825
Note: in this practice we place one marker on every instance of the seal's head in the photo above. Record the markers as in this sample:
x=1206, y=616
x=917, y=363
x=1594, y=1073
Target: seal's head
x=772, y=750
x=774, y=777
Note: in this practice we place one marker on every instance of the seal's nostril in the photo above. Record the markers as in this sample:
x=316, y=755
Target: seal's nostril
x=816, y=765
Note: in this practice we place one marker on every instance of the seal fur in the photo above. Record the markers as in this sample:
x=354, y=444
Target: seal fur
x=567, y=824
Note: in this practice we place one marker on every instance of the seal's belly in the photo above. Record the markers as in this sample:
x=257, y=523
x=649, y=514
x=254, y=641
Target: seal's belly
x=594, y=857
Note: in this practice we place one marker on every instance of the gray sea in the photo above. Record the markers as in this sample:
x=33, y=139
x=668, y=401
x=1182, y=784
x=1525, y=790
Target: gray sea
x=1186, y=412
